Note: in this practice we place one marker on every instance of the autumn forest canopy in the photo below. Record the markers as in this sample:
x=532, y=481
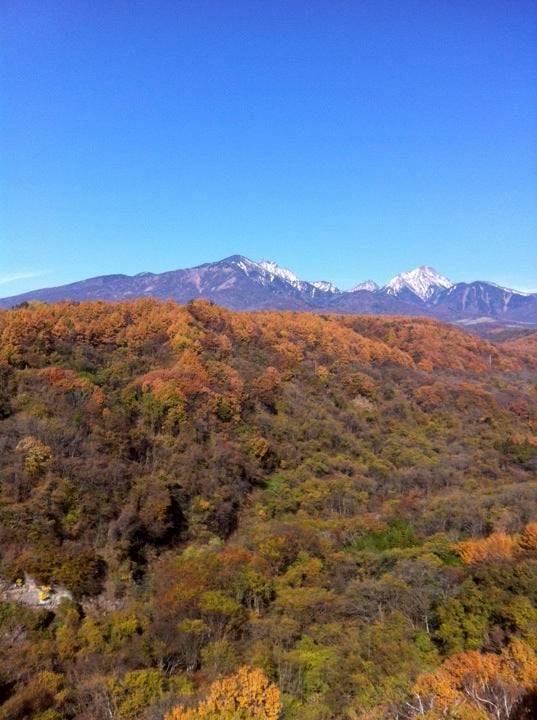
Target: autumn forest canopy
x=264, y=515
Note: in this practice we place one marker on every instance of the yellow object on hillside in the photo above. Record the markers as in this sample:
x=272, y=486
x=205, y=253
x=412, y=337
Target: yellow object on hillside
x=44, y=593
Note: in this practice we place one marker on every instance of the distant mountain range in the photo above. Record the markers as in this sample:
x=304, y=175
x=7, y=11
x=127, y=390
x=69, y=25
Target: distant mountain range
x=242, y=284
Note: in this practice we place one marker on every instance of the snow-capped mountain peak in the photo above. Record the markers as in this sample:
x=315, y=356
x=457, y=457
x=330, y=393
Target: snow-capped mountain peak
x=267, y=272
x=423, y=281
x=274, y=269
x=325, y=286
x=244, y=263
x=369, y=285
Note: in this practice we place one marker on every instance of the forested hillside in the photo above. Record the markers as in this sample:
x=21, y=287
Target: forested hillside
x=264, y=515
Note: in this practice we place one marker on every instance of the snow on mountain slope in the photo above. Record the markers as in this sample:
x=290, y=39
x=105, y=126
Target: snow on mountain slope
x=278, y=271
x=325, y=286
x=369, y=285
x=511, y=291
x=274, y=269
x=423, y=281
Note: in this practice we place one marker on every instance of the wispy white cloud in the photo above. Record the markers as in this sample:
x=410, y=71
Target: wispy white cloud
x=6, y=278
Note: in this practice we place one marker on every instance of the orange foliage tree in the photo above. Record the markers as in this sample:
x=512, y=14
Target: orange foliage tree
x=498, y=546
x=528, y=538
x=246, y=695
x=476, y=686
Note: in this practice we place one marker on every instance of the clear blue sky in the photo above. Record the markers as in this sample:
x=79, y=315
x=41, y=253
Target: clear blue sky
x=343, y=139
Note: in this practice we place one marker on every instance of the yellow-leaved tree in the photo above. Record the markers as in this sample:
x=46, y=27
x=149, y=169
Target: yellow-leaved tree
x=246, y=695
